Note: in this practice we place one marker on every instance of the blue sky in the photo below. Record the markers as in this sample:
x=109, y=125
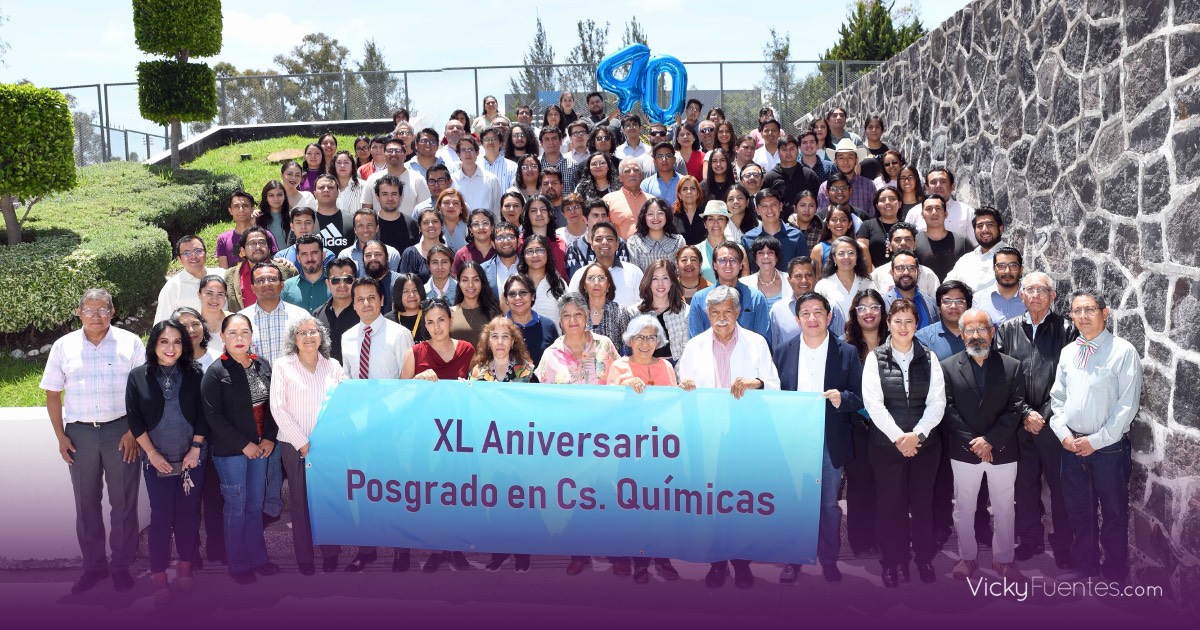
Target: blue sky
x=73, y=42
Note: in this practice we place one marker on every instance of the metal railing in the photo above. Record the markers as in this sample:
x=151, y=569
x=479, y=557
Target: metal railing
x=740, y=88
x=96, y=138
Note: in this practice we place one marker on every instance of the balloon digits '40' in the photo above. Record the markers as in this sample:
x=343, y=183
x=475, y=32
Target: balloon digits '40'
x=642, y=81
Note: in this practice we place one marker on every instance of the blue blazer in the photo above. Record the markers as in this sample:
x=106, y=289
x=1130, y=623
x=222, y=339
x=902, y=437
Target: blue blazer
x=843, y=372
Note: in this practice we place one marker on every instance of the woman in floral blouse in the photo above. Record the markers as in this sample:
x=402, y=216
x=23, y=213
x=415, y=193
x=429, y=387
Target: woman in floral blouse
x=578, y=357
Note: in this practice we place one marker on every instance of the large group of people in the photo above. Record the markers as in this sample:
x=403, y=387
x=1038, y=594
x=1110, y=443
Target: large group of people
x=578, y=253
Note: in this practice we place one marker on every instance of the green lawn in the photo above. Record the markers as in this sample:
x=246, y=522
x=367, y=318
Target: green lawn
x=19, y=381
x=256, y=171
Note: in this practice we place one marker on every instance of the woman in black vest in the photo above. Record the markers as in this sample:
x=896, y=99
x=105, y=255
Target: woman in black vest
x=905, y=394
x=165, y=416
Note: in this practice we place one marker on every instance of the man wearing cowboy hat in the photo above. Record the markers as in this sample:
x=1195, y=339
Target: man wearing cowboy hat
x=862, y=190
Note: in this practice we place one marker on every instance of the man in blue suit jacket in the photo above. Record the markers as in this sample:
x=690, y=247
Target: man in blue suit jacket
x=820, y=363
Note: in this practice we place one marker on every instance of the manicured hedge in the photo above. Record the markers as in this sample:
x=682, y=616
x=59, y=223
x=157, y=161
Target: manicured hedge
x=113, y=230
x=169, y=89
x=164, y=27
x=37, y=141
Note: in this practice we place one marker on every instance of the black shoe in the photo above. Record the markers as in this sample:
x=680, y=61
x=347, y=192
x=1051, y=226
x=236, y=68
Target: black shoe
x=401, y=563
x=984, y=537
x=666, y=571
x=267, y=569
x=89, y=580
x=716, y=576
x=434, y=562
x=458, y=562
x=1062, y=560
x=245, y=578
x=197, y=562
x=308, y=568
x=268, y=520
x=742, y=577
x=522, y=563
x=329, y=565
x=641, y=575
x=1028, y=551
x=925, y=570
x=832, y=574
x=122, y=581
x=904, y=574
x=497, y=561
x=360, y=562
x=890, y=579
x=941, y=536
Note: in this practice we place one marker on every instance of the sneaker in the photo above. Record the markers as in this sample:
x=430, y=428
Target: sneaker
x=790, y=573
x=496, y=562
x=522, y=563
x=458, y=561
x=964, y=569
x=88, y=581
x=1008, y=571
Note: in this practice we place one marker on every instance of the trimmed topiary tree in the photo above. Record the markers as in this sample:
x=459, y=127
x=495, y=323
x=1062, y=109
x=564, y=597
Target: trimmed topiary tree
x=37, y=149
x=172, y=91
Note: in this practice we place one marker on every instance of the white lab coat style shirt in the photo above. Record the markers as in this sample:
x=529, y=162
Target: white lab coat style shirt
x=958, y=219
x=389, y=342
x=751, y=358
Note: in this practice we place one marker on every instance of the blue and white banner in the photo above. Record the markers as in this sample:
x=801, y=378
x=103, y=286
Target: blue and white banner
x=568, y=470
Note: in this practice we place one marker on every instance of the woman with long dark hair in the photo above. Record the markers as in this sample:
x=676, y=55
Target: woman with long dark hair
x=601, y=139
x=407, y=295
x=662, y=296
x=655, y=238
x=687, y=145
x=475, y=303
x=598, y=177
x=839, y=222
x=166, y=417
x=718, y=174
x=846, y=276
x=534, y=261
x=328, y=143
x=314, y=166
x=865, y=330
x=892, y=162
x=529, y=177
x=912, y=192
x=291, y=175
x=415, y=259
x=540, y=219
x=273, y=211
x=873, y=233
x=236, y=393
x=349, y=188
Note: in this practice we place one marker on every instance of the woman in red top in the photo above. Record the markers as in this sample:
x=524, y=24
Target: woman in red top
x=688, y=147
x=439, y=357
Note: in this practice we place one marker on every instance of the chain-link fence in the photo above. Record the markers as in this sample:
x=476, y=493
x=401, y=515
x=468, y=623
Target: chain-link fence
x=739, y=88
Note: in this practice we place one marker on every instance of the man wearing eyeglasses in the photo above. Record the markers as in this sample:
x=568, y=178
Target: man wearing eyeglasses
x=902, y=236
x=1096, y=394
x=492, y=158
x=480, y=189
x=255, y=248
x=337, y=314
x=985, y=401
x=597, y=116
x=753, y=312
x=366, y=229
x=92, y=366
x=302, y=221
x=427, y=146
x=861, y=191
x=1037, y=340
x=551, y=141
x=1003, y=301
x=904, y=277
x=663, y=182
x=707, y=132
x=183, y=288
x=437, y=180
x=658, y=133
x=691, y=116
x=413, y=187
x=577, y=135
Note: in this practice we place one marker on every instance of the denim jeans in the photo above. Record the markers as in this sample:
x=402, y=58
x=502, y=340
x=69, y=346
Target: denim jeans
x=1102, y=477
x=829, y=530
x=273, y=503
x=172, y=511
x=243, y=483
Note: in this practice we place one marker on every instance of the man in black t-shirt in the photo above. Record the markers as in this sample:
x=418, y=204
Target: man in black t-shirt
x=396, y=229
x=938, y=248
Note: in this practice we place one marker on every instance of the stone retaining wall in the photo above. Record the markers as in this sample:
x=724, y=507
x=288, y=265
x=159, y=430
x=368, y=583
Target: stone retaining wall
x=1080, y=121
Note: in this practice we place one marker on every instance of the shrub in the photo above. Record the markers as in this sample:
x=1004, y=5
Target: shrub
x=163, y=27
x=111, y=231
x=37, y=140
x=171, y=90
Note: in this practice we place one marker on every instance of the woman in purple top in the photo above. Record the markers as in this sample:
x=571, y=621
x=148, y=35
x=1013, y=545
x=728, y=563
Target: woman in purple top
x=314, y=166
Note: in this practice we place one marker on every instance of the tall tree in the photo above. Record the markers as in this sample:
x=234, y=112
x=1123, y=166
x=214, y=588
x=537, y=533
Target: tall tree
x=37, y=149
x=633, y=33
x=537, y=76
x=593, y=39
x=316, y=97
x=780, y=80
x=248, y=96
x=870, y=34
x=375, y=92
x=172, y=91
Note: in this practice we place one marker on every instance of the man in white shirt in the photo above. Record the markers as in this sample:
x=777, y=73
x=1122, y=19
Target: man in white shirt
x=631, y=126
x=183, y=288
x=626, y=276
x=577, y=135
x=768, y=154
x=903, y=236
x=725, y=355
x=383, y=356
x=492, y=161
x=92, y=366
x=975, y=267
x=940, y=182
x=479, y=188
x=415, y=189
x=448, y=153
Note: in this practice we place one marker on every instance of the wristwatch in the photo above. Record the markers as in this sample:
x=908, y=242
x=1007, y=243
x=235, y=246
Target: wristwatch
x=920, y=438
x=196, y=444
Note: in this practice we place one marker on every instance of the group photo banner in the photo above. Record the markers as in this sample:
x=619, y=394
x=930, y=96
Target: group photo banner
x=568, y=470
